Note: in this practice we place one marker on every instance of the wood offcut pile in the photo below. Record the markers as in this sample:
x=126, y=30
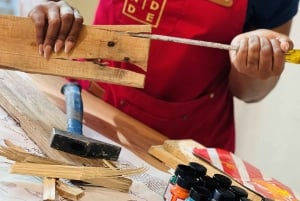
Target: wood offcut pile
x=55, y=173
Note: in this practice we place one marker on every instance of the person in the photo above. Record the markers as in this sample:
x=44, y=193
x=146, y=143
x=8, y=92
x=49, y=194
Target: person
x=189, y=90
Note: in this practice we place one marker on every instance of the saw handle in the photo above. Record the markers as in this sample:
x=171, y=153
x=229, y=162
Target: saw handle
x=74, y=107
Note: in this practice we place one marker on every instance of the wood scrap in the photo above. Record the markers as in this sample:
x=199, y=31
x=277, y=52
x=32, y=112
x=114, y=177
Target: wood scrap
x=15, y=153
x=49, y=189
x=109, y=163
x=69, y=192
x=19, y=51
x=108, y=176
x=121, y=184
x=168, y=159
x=11, y=145
x=71, y=172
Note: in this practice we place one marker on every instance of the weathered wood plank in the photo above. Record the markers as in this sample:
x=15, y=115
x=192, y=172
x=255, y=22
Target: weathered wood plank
x=19, y=51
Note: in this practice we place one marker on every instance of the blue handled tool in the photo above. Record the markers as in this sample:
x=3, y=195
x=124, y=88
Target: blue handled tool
x=74, y=107
x=73, y=141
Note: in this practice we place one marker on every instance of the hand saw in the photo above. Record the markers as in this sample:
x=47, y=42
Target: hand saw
x=19, y=51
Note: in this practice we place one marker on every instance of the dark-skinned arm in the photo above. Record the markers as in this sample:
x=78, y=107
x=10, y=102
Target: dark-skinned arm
x=259, y=62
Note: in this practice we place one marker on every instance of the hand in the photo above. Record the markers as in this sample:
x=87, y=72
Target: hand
x=57, y=26
x=260, y=53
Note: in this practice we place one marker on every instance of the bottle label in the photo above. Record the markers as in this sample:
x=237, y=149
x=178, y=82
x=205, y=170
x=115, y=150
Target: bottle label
x=168, y=194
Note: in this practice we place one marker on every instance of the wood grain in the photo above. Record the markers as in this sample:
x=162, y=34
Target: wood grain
x=19, y=51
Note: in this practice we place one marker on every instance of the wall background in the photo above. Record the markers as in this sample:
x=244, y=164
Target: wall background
x=86, y=8
x=268, y=132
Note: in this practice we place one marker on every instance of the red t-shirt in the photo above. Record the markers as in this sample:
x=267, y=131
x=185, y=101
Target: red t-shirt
x=186, y=94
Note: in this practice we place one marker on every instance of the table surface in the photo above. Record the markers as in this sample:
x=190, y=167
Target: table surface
x=109, y=122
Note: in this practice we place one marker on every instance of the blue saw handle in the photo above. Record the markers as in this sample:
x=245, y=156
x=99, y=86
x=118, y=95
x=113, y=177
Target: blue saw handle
x=74, y=107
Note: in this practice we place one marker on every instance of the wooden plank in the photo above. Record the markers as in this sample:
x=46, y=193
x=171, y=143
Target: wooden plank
x=36, y=115
x=164, y=156
x=19, y=51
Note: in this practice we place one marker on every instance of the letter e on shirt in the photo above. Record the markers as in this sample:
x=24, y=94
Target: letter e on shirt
x=144, y=11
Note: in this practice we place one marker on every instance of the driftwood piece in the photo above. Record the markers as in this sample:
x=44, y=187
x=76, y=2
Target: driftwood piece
x=19, y=51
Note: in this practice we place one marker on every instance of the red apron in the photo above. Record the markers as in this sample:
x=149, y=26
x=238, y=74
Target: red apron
x=186, y=94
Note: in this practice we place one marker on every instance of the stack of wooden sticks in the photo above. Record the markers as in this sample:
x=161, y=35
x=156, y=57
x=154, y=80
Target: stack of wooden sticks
x=56, y=174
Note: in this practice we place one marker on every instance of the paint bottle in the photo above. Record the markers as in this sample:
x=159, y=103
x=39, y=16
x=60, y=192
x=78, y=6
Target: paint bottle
x=223, y=194
x=200, y=172
x=199, y=193
x=200, y=169
x=222, y=180
x=245, y=199
x=181, y=170
x=238, y=192
x=180, y=191
x=209, y=183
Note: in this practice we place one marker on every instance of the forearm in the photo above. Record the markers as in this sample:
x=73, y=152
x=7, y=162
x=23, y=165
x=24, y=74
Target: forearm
x=249, y=89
